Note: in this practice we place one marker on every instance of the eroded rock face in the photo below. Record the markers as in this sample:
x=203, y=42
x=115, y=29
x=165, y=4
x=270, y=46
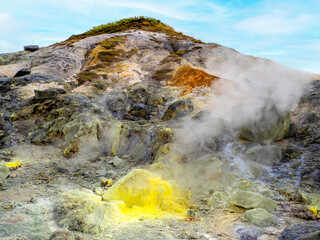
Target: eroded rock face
x=137, y=102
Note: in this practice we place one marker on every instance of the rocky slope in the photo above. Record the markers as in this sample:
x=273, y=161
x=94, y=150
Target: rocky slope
x=234, y=131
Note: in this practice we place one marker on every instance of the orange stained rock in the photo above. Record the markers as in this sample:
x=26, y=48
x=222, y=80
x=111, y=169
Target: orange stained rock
x=189, y=78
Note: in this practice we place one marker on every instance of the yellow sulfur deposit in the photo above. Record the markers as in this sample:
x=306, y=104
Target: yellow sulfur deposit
x=314, y=210
x=13, y=164
x=143, y=193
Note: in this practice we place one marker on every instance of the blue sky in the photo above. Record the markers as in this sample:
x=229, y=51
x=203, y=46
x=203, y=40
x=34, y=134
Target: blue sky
x=287, y=31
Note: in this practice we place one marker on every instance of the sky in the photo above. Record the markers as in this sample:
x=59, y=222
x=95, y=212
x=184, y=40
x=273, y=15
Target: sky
x=286, y=31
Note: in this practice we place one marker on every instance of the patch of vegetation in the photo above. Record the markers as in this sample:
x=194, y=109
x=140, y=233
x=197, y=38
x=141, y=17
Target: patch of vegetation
x=99, y=85
x=132, y=52
x=173, y=57
x=112, y=42
x=143, y=23
x=111, y=56
x=84, y=77
x=163, y=74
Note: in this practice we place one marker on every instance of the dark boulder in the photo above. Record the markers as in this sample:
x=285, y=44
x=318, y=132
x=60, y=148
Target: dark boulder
x=299, y=231
x=31, y=48
x=311, y=236
x=310, y=173
x=270, y=124
x=178, y=109
x=48, y=93
x=248, y=233
x=5, y=81
x=37, y=77
x=22, y=72
x=4, y=89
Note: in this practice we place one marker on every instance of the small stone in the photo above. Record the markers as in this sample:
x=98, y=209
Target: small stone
x=118, y=162
x=249, y=200
x=99, y=191
x=247, y=233
x=62, y=234
x=106, y=182
x=260, y=217
x=22, y=72
x=111, y=174
x=126, y=157
x=31, y=48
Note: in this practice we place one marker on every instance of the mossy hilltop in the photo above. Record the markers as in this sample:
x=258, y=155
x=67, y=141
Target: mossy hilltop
x=137, y=23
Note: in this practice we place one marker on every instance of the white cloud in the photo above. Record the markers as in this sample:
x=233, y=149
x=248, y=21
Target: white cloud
x=7, y=23
x=276, y=23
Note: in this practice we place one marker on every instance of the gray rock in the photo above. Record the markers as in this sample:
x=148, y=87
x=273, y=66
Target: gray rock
x=31, y=48
x=22, y=72
x=48, y=93
x=62, y=234
x=299, y=231
x=310, y=174
x=4, y=89
x=30, y=220
x=260, y=217
x=38, y=136
x=98, y=191
x=248, y=233
x=4, y=171
x=291, y=152
x=314, y=132
x=265, y=154
x=271, y=124
x=117, y=162
x=111, y=174
x=37, y=77
x=5, y=80
x=311, y=236
x=250, y=200
x=178, y=109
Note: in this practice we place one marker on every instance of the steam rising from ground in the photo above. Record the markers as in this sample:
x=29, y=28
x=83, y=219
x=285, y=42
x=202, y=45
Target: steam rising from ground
x=247, y=87
x=250, y=89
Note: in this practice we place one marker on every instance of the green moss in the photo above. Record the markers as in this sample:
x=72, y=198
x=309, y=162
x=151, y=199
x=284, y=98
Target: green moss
x=180, y=53
x=162, y=74
x=112, y=42
x=111, y=56
x=173, y=57
x=143, y=23
x=86, y=76
x=99, y=85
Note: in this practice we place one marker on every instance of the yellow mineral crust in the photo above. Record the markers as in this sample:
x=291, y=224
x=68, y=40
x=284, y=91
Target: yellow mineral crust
x=143, y=193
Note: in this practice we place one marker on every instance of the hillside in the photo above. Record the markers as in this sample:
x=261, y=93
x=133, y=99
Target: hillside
x=132, y=130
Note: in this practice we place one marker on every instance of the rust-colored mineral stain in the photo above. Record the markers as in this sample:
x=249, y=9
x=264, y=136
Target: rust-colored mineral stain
x=189, y=78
